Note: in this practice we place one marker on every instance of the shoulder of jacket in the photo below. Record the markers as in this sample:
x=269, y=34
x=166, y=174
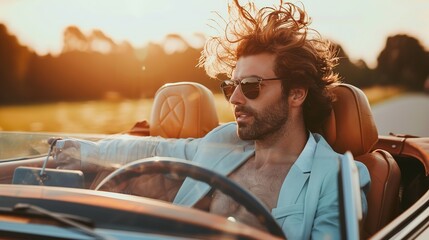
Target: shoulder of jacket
x=226, y=129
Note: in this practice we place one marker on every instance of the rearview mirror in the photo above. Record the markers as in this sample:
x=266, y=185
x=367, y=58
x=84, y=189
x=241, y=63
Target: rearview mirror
x=48, y=177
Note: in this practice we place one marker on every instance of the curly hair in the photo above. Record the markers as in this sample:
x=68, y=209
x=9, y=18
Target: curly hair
x=303, y=58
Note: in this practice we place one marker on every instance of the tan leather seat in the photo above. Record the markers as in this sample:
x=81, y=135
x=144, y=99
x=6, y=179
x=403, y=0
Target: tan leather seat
x=183, y=110
x=351, y=127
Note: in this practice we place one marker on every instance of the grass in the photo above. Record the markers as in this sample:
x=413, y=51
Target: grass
x=111, y=116
x=73, y=117
x=104, y=116
x=378, y=94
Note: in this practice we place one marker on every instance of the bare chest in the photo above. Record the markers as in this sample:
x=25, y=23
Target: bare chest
x=264, y=182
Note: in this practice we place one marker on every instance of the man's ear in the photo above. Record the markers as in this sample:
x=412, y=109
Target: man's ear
x=297, y=96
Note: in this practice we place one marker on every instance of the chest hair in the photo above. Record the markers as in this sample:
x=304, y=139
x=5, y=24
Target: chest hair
x=264, y=182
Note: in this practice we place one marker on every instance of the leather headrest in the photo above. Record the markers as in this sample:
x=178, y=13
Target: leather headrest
x=350, y=125
x=183, y=110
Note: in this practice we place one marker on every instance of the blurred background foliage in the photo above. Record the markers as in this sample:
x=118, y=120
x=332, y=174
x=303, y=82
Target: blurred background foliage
x=93, y=66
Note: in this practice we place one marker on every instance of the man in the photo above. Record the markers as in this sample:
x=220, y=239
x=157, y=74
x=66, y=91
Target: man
x=278, y=90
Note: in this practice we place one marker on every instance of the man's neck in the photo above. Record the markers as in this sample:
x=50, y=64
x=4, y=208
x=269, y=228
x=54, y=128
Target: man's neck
x=281, y=147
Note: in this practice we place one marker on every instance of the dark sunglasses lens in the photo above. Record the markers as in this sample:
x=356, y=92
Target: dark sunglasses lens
x=228, y=88
x=250, y=87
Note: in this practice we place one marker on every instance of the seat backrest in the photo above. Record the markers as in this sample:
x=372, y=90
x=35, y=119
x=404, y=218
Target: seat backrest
x=183, y=110
x=351, y=127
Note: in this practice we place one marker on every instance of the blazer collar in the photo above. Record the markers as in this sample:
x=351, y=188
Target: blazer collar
x=315, y=149
x=298, y=174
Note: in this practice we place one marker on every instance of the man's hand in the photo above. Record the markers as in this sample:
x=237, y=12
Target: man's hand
x=66, y=153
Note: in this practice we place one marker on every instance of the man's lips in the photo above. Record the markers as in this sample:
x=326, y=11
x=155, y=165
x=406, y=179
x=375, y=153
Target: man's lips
x=241, y=116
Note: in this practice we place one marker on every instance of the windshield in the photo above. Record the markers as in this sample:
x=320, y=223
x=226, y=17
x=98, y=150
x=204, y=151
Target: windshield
x=21, y=145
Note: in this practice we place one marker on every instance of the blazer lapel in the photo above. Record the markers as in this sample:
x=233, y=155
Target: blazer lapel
x=294, y=182
x=297, y=177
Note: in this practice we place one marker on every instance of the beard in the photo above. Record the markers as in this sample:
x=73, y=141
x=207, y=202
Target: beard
x=265, y=122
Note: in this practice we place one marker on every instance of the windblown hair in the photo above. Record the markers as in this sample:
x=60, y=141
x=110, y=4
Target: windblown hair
x=303, y=58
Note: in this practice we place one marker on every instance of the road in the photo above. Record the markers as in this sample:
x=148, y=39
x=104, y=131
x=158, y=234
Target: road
x=406, y=114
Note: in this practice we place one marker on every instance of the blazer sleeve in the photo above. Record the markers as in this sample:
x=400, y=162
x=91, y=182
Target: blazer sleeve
x=125, y=149
x=121, y=149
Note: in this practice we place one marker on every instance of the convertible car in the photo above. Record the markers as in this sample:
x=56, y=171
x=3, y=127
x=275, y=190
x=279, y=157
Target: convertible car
x=39, y=201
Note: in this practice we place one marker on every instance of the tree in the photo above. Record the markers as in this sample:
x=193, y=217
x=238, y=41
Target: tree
x=403, y=62
x=14, y=63
x=75, y=40
x=357, y=74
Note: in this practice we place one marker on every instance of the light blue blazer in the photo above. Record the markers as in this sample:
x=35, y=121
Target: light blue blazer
x=308, y=205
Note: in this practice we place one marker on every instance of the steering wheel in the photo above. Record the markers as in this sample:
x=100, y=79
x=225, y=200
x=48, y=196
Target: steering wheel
x=177, y=166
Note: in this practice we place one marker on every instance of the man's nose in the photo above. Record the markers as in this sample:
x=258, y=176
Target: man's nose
x=237, y=97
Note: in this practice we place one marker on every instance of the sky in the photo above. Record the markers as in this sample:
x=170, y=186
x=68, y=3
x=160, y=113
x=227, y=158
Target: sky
x=360, y=26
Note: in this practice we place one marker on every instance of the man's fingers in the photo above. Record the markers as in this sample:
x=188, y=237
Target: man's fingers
x=53, y=139
x=63, y=144
x=67, y=154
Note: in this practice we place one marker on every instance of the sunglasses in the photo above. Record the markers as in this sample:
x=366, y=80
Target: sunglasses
x=250, y=86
